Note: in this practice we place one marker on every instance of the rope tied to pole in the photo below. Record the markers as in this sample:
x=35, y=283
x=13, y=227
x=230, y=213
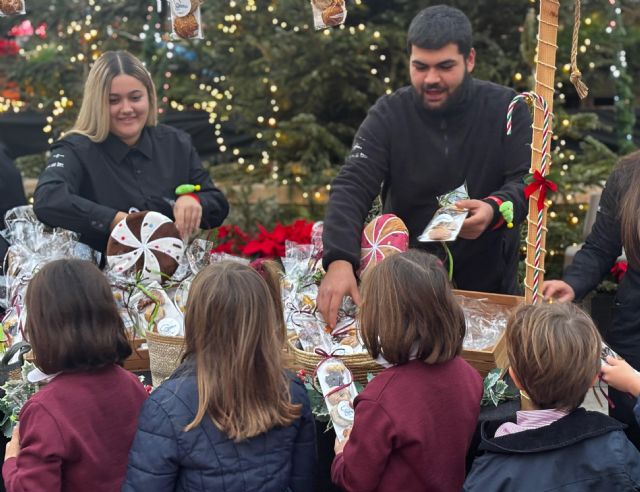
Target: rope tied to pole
x=576, y=74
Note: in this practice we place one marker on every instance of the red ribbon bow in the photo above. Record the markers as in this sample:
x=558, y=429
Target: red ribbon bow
x=542, y=184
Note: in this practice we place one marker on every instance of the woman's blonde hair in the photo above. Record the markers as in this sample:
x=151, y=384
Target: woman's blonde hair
x=233, y=330
x=630, y=208
x=93, y=118
x=554, y=351
x=409, y=310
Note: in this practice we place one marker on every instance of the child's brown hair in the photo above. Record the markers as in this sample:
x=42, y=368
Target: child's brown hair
x=554, y=351
x=409, y=310
x=72, y=320
x=234, y=331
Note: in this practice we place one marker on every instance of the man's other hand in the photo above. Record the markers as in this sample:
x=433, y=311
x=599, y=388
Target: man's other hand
x=479, y=218
x=339, y=281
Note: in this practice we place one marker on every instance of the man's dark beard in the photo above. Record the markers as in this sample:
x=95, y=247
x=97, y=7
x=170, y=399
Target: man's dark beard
x=453, y=100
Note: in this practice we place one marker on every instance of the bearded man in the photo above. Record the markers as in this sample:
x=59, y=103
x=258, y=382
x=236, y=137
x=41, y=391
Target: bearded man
x=445, y=130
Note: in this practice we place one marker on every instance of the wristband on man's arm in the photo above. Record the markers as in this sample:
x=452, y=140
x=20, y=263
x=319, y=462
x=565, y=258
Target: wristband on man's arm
x=498, y=219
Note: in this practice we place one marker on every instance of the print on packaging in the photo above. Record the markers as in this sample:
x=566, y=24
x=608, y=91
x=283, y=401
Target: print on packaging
x=328, y=13
x=12, y=7
x=186, y=21
x=336, y=383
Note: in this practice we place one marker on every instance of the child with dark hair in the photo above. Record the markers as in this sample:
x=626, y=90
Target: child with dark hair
x=414, y=421
x=75, y=433
x=554, y=356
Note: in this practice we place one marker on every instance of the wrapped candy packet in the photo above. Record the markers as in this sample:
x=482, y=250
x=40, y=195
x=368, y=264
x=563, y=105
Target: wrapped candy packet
x=328, y=13
x=446, y=223
x=186, y=21
x=336, y=383
x=155, y=311
x=12, y=7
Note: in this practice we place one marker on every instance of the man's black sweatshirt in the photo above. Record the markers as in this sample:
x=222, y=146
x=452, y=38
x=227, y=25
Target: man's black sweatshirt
x=410, y=155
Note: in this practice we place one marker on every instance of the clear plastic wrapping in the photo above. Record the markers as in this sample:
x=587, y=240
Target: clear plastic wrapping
x=302, y=274
x=32, y=245
x=485, y=321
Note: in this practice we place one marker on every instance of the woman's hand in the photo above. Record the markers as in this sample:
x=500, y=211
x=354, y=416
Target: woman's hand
x=188, y=213
x=13, y=446
x=558, y=290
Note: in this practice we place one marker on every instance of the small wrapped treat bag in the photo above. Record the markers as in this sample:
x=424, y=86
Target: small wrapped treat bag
x=446, y=223
x=156, y=312
x=336, y=384
x=328, y=13
x=186, y=22
x=12, y=7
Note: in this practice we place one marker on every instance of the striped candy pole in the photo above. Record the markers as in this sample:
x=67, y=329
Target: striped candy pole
x=544, y=169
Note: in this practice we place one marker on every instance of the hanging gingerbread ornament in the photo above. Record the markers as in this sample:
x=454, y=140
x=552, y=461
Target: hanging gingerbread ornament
x=11, y=7
x=328, y=13
x=186, y=20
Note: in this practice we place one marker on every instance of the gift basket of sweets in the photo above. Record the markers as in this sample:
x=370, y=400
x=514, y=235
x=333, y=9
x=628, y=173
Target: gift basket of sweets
x=310, y=338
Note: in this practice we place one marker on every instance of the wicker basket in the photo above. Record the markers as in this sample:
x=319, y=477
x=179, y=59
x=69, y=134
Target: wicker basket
x=165, y=354
x=360, y=365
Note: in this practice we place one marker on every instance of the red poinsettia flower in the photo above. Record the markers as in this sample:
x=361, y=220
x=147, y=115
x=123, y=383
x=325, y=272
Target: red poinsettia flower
x=265, y=243
x=618, y=270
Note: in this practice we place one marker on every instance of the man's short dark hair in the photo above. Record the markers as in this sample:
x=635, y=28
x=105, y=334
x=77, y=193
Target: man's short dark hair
x=435, y=27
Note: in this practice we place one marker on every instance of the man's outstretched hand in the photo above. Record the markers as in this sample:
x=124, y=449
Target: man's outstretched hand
x=339, y=281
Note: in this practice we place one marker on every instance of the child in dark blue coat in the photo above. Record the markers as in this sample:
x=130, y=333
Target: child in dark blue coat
x=554, y=353
x=230, y=418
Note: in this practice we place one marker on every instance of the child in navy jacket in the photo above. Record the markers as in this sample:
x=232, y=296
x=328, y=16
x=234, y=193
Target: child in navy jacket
x=554, y=355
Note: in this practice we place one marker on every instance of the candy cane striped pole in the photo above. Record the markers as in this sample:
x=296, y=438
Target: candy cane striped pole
x=544, y=168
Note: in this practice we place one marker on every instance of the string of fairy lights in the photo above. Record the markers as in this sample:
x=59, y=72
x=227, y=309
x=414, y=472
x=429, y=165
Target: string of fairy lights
x=217, y=92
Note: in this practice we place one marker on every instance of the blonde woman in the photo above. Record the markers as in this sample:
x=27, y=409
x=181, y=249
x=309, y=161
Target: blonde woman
x=230, y=418
x=117, y=157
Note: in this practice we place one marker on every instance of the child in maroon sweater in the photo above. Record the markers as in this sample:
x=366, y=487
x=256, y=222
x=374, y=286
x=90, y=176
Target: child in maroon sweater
x=75, y=433
x=414, y=421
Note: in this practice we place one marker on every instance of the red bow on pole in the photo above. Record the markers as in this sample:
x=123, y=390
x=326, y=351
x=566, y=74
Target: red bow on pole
x=542, y=184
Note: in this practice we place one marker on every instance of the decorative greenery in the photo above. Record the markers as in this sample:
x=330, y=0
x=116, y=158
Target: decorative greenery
x=496, y=389
x=16, y=394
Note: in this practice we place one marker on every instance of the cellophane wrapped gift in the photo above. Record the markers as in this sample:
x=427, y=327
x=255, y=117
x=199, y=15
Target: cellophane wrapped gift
x=485, y=322
x=32, y=245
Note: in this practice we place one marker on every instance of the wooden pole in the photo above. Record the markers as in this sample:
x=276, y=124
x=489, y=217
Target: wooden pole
x=544, y=76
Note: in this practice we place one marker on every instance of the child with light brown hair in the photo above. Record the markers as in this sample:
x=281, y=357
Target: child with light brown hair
x=231, y=417
x=554, y=356
x=414, y=421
